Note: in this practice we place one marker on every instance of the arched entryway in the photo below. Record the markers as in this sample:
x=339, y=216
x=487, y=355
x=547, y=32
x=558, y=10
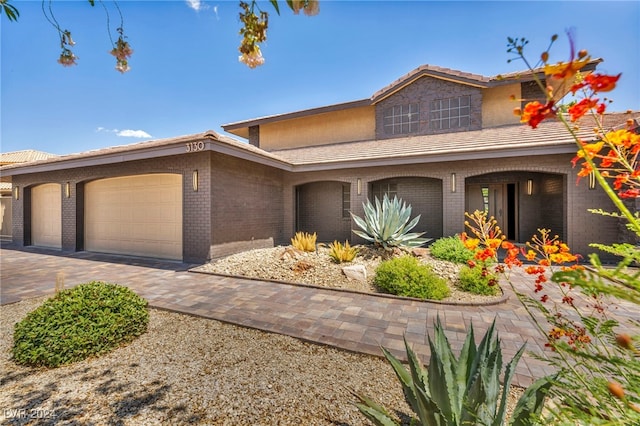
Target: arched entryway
x=424, y=195
x=323, y=208
x=521, y=202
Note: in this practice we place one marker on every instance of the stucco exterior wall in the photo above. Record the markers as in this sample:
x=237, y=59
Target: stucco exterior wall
x=497, y=108
x=353, y=124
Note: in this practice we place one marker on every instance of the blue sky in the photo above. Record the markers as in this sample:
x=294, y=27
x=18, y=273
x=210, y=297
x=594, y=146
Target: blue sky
x=186, y=78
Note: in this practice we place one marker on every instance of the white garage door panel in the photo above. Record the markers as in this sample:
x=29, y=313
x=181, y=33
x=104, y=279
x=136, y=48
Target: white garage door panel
x=46, y=215
x=137, y=215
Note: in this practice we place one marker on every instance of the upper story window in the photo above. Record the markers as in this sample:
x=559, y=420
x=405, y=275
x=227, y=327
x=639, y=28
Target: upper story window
x=401, y=119
x=450, y=113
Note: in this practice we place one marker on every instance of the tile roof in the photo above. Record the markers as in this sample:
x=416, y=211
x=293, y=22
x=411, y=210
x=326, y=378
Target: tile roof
x=551, y=137
x=24, y=156
x=517, y=140
x=117, y=153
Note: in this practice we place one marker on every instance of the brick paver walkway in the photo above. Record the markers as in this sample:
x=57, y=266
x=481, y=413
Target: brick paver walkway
x=352, y=321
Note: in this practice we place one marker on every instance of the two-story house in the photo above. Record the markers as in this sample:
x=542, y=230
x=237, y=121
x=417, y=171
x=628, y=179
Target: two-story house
x=444, y=141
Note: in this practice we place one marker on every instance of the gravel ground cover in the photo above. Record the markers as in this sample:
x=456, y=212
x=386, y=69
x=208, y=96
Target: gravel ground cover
x=318, y=269
x=188, y=370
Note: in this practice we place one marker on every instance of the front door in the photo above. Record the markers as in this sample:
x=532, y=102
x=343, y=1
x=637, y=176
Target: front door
x=498, y=200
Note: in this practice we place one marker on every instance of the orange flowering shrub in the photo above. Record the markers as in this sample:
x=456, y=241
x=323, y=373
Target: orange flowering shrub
x=597, y=359
x=615, y=154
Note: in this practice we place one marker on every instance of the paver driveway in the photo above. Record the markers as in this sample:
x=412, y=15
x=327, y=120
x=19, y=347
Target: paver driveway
x=352, y=321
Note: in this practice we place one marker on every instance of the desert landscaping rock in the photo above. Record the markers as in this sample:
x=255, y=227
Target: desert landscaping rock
x=318, y=269
x=356, y=272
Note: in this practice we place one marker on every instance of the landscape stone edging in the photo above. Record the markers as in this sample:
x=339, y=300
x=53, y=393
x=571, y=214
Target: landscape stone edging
x=503, y=299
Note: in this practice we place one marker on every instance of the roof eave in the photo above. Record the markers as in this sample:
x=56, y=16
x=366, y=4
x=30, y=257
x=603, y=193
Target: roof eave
x=296, y=114
x=568, y=148
x=175, y=146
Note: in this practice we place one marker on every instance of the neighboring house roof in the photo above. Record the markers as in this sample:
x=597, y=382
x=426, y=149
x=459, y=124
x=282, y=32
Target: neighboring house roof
x=551, y=137
x=426, y=70
x=24, y=156
x=5, y=187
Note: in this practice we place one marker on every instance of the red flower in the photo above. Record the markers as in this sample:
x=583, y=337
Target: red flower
x=602, y=83
x=581, y=108
x=534, y=112
x=630, y=193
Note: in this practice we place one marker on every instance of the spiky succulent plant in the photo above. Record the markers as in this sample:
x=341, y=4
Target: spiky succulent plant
x=388, y=224
x=460, y=391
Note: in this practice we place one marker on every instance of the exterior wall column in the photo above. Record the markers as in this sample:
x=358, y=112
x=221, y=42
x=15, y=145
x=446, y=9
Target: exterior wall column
x=69, y=209
x=453, y=204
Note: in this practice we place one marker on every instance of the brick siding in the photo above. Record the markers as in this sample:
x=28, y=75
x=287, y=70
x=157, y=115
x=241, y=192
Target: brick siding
x=422, y=92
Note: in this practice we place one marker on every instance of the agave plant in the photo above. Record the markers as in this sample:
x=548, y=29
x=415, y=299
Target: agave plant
x=460, y=391
x=387, y=224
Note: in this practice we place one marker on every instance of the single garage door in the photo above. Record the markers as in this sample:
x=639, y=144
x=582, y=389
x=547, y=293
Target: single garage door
x=136, y=215
x=46, y=215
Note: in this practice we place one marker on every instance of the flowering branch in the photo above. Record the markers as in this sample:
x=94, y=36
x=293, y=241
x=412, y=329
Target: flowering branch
x=255, y=23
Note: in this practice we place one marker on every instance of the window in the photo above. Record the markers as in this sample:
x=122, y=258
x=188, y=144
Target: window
x=379, y=189
x=402, y=119
x=346, y=200
x=450, y=113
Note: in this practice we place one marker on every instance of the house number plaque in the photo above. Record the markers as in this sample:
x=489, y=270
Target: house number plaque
x=195, y=146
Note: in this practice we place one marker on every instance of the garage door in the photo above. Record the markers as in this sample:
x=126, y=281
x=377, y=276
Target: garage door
x=46, y=215
x=135, y=215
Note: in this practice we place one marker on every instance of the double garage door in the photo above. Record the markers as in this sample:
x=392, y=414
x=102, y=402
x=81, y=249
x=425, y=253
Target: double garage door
x=135, y=215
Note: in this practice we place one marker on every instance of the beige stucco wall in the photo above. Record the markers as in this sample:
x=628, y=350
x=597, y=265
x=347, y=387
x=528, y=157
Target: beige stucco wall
x=353, y=124
x=497, y=108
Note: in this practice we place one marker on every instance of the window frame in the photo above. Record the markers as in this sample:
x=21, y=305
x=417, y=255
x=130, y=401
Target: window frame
x=401, y=119
x=455, y=112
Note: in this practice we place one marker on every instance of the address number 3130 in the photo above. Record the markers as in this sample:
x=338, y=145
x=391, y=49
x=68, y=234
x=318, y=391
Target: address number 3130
x=195, y=146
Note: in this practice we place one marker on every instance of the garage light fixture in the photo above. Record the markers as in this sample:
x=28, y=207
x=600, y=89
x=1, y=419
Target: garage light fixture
x=359, y=186
x=453, y=182
x=529, y=186
x=16, y=192
x=195, y=180
x=67, y=190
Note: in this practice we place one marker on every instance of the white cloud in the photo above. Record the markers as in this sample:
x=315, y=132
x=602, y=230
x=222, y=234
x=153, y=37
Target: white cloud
x=133, y=133
x=127, y=133
x=196, y=5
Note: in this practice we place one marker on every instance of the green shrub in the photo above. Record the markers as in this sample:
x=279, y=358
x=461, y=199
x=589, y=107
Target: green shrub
x=342, y=253
x=405, y=276
x=451, y=249
x=90, y=319
x=478, y=281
